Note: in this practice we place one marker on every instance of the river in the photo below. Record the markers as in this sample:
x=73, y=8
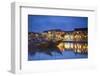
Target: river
x=72, y=50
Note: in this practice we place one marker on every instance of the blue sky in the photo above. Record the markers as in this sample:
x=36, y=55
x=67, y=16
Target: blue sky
x=40, y=23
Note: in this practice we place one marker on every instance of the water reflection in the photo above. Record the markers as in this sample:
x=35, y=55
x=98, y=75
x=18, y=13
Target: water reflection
x=77, y=47
x=59, y=47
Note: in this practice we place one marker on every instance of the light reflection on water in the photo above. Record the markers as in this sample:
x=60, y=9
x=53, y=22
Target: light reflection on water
x=71, y=50
x=76, y=47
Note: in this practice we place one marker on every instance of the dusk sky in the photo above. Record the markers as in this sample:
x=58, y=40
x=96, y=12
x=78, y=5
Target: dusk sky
x=40, y=23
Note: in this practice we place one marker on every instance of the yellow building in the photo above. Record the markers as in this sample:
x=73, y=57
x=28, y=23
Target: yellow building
x=68, y=36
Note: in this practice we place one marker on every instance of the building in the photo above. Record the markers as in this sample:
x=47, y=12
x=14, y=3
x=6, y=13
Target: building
x=68, y=36
x=33, y=35
x=80, y=34
x=55, y=34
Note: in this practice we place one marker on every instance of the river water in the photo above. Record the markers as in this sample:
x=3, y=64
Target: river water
x=71, y=51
